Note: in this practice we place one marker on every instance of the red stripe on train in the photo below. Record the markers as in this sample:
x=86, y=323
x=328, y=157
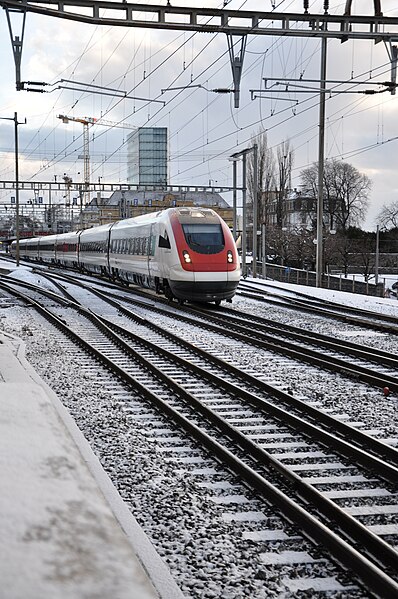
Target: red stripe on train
x=204, y=262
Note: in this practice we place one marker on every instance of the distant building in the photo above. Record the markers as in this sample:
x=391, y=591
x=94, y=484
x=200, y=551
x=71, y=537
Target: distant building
x=127, y=204
x=147, y=156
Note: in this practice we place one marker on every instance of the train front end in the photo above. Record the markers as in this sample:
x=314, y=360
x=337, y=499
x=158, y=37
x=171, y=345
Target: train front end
x=208, y=268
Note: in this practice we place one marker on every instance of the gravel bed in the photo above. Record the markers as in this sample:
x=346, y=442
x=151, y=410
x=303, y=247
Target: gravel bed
x=208, y=556
x=332, y=391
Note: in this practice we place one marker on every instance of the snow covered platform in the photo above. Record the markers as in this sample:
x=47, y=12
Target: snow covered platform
x=65, y=533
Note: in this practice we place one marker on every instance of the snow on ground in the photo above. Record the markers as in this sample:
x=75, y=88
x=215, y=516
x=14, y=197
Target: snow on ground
x=364, y=302
x=98, y=418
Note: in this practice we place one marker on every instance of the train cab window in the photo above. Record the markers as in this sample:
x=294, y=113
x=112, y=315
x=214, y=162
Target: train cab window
x=204, y=238
x=164, y=241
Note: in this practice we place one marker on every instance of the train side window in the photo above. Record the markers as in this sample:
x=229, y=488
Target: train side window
x=164, y=241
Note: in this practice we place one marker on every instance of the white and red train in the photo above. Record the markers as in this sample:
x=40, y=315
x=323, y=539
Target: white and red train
x=184, y=253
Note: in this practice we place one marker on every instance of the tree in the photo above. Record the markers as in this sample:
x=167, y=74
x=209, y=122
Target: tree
x=265, y=175
x=343, y=250
x=284, y=160
x=345, y=193
x=388, y=216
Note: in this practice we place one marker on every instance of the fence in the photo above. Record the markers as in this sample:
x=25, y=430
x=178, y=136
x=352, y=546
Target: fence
x=306, y=277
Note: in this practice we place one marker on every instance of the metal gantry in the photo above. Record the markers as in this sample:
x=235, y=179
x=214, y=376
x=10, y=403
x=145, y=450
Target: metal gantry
x=55, y=186
x=234, y=23
x=212, y=20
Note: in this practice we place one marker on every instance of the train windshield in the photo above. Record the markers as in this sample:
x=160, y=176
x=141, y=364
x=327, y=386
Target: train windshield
x=204, y=239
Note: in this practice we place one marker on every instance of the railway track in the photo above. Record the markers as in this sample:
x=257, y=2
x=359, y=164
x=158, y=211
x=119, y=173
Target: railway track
x=262, y=442
x=262, y=292
x=366, y=364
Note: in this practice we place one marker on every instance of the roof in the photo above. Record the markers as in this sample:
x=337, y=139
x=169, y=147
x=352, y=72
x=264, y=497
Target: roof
x=140, y=198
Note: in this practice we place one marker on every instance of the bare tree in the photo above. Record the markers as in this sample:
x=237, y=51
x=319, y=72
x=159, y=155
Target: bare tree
x=284, y=160
x=345, y=190
x=265, y=175
x=388, y=216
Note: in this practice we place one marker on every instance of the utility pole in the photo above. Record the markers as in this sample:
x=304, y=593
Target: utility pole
x=17, y=232
x=377, y=254
x=244, y=217
x=264, y=251
x=234, y=158
x=255, y=209
x=234, y=228
x=321, y=156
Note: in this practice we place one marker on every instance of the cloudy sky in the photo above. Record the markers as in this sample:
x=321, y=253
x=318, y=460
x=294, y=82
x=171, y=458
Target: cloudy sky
x=204, y=127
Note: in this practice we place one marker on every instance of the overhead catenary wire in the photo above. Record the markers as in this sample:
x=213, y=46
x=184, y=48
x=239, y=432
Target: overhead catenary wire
x=218, y=138
x=159, y=65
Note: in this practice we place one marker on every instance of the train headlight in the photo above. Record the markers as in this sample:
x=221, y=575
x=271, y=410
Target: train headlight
x=230, y=257
x=186, y=256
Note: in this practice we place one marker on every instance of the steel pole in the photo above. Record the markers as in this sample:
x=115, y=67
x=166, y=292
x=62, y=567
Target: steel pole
x=244, y=217
x=264, y=252
x=377, y=254
x=321, y=157
x=16, y=189
x=49, y=218
x=234, y=226
x=255, y=210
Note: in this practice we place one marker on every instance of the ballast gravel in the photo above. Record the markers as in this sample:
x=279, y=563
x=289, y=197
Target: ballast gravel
x=207, y=562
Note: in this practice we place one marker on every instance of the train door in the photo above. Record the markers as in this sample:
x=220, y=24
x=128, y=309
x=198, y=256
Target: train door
x=153, y=267
x=108, y=250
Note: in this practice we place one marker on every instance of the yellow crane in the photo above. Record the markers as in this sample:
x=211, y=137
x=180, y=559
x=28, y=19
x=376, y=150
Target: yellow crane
x=86, y=122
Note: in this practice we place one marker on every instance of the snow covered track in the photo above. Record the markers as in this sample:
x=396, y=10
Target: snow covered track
x=254, y=441
x=290, y=341
x=262, y=292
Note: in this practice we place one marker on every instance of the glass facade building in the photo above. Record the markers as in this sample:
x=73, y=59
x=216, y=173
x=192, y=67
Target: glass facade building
x=147, y=156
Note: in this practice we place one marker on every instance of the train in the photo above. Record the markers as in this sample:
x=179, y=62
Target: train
x=187, y=254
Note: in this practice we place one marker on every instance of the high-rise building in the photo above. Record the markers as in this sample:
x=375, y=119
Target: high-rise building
x=147, y=156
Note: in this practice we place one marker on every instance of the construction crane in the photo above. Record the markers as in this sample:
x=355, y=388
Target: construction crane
x=86, y=122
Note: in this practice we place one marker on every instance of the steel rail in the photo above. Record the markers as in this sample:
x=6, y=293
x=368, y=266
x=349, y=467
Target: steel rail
x=305, y=336
x=297, y=304
x=381, y=552
x=377, y=447
x=300, y=353
x=332, y=304
x=374, y=463
x=308, y=355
